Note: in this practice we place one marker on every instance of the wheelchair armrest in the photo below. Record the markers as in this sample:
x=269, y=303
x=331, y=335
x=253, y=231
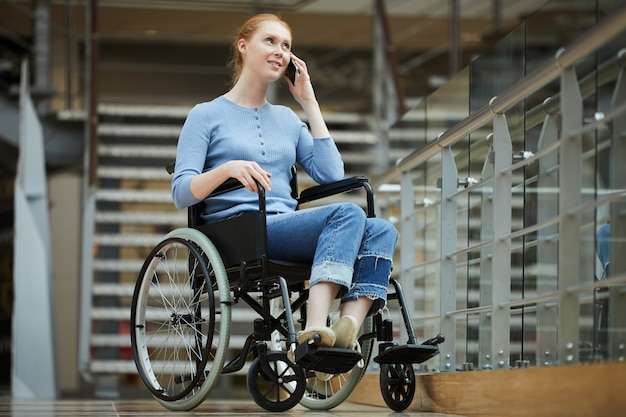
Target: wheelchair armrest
x=347, y=184
x=230, y=184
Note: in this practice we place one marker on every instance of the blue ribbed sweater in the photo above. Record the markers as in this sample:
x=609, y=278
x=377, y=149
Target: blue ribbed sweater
x=273, y=136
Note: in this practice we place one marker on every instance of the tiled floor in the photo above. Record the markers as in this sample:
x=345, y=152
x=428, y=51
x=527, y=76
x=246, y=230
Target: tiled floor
x=152, y=408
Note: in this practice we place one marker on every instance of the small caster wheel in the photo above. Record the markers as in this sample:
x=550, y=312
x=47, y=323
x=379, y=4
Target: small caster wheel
x=397, y=385
x=275, y=383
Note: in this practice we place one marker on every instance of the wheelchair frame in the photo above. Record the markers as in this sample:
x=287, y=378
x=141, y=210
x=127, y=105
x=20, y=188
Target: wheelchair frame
x=181, y=313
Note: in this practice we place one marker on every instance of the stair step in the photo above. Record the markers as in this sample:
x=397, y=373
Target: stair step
x=139, y=130
x=169, y=152
x=128, y=367
x=243, y=314
x=176, y=218
x=134, y=151
x=123, y=340
x=358, y=158
x=351, y=136
x=363, y=137
x=134, y=173
x=113, y=313
x=128, y=239
x=120, y=290
x=117, y=265
x=136, y=196
x=180, y=112
x=177, y=112
x=126, y=290
x=113, y=366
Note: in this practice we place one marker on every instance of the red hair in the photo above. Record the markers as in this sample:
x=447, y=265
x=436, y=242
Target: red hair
x=247, y=30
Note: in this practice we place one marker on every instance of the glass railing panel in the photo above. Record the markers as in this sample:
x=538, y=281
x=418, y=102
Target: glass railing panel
x=491, y=73
x=608, y=306
x=445, y=108
x=424, y=272
x=538, y=253
x=410, y=133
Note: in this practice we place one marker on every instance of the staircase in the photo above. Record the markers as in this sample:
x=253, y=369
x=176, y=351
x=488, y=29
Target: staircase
x=134, y=210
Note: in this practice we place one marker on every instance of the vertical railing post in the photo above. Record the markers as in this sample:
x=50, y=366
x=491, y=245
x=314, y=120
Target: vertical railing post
x=407, y=243
x=617, y=295
x=486, y=254
x=547, y=208
x=501, y=263
x=447, y=294
x=570, y=181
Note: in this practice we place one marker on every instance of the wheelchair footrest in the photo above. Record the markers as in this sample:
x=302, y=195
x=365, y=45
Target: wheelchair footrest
x=326, y=359
x=407, y=354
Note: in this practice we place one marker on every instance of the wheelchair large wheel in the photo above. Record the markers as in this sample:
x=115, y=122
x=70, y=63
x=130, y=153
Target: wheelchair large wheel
x=180, y=319
x=324, y=394
x=277, y=384
x=397, y=385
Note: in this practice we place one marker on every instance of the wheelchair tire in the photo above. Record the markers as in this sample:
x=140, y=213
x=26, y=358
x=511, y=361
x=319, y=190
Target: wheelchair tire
x=277, y=384
x=180, y=319
x=324, y=395
x=397, y=385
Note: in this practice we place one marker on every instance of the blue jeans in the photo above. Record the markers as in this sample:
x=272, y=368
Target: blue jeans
x=343, y=245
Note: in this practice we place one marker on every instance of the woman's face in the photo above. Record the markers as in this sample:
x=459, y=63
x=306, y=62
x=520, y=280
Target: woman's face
x=267, y=53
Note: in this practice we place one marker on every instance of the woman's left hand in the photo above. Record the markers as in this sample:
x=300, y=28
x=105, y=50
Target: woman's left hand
x=302, y=90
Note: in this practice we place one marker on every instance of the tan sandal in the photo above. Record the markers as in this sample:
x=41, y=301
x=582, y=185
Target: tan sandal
x=327, y=336
x=346, y=330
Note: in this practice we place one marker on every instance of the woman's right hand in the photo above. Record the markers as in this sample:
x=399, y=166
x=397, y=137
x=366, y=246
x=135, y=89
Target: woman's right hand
x=247, y=172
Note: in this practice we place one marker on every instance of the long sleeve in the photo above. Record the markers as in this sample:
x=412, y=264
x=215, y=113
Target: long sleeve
x=191, y=154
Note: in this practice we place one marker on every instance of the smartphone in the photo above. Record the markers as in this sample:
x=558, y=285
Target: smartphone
x=291, y=72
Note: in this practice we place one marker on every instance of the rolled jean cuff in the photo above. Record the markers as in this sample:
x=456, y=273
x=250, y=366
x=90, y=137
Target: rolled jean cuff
x=375, y=292
x=329, y=271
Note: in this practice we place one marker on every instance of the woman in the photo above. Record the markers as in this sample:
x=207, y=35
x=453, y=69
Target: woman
x=240, y=135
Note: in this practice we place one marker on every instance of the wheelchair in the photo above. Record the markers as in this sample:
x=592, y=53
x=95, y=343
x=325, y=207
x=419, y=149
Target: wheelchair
x=182, y=310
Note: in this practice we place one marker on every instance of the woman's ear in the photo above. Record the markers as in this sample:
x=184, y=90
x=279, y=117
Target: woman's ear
x=241, y=46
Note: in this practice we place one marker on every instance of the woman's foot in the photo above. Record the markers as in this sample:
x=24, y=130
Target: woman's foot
x=345, y=329
x=327, y=336
x=327, y=339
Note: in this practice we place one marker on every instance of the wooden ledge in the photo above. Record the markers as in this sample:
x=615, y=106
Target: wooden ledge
x=597, y=390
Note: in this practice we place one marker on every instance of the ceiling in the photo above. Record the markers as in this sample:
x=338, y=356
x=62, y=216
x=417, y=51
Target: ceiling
x=335, y=37
x=141, y=37
x=418, y=25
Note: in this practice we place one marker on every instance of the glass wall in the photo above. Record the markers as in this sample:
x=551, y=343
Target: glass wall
x=537, y=208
